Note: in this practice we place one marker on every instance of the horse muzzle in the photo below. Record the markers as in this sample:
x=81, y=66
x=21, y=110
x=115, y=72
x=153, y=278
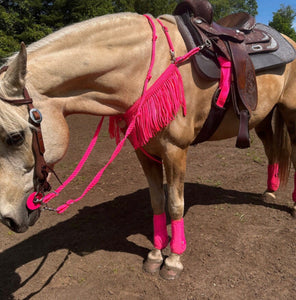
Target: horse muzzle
x=20, y=226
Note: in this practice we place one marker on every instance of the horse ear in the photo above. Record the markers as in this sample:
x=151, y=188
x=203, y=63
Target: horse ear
x=14, y=79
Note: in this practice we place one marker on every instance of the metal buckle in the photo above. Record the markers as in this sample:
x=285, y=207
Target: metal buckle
x=38, y=200
x=32, y=117
x=257, y=47
x=173, y=57
x=207, y=44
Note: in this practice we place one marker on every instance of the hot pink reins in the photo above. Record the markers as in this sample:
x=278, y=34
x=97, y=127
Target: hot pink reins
x=43, y=200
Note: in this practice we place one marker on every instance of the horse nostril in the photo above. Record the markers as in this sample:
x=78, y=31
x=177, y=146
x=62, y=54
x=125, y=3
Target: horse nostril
x=10, y=223
x=13, y=225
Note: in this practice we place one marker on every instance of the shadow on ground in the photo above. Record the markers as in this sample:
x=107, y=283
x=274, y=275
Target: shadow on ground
x=106, y=227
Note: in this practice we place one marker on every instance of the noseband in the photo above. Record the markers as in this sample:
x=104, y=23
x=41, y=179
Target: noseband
x=41, y=184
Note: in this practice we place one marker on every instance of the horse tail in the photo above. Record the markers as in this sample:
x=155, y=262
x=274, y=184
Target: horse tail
x=281, y=146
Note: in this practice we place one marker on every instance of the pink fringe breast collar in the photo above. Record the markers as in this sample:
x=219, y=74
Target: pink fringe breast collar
x=158, y=105
x=155, y=109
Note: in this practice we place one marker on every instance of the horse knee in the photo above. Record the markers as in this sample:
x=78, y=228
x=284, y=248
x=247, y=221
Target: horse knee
x=176, y=211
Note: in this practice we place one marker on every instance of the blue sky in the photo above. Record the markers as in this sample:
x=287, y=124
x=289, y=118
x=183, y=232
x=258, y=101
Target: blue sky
x=267, y=7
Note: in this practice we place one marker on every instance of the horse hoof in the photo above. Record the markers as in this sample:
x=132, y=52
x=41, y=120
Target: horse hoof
x=169, y=273
x=268, y=196
x=294, y=212
x=152, y=266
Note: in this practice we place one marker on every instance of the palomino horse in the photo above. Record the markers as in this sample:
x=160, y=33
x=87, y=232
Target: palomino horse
x=99, y=67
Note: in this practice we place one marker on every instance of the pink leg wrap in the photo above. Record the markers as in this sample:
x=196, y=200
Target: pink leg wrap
x=161, y=238
x=294, y=193
x=273, y=181
x=178, y=242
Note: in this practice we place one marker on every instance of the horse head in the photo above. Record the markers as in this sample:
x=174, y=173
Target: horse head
x=19, y=176
x=16, y=156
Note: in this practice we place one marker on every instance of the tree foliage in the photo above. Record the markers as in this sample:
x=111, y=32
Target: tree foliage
x=223, y=8
x=283, y=21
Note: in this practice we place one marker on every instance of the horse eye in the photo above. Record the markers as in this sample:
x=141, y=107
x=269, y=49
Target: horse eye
x=15, y=138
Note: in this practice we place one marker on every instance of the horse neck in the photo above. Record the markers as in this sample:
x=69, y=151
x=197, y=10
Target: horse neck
x=98, y=66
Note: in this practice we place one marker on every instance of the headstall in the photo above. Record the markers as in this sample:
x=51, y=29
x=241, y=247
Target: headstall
x=41, y=184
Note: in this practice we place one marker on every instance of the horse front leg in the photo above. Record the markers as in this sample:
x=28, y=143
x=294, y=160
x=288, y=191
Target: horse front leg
x=175, y=167
x=154, y=174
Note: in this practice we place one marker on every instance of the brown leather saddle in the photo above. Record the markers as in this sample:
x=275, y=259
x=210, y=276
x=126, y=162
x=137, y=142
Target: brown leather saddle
x=249, y=46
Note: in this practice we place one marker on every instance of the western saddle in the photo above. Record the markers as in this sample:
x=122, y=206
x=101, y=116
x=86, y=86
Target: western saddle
x=236, y=38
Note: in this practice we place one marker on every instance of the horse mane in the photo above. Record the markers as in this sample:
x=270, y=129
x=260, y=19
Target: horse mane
x=72, y=28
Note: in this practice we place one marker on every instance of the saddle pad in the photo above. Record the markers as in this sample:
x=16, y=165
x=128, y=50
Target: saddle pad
x=284, y=55
x=263, y=61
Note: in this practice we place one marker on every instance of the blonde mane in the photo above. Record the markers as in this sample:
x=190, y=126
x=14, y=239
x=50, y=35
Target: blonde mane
x=73, y=28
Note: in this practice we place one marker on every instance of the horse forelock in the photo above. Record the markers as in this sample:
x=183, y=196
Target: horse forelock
x=12, y=118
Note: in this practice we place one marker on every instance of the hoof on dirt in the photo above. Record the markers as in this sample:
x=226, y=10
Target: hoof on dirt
x=294, y=212
x=170, y=273
x=268, y=196
x=151, y=266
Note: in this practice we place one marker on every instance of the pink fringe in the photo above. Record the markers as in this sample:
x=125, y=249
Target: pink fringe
x=155, y=111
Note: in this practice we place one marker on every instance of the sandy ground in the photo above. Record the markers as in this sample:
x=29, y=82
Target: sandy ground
x=239, y=246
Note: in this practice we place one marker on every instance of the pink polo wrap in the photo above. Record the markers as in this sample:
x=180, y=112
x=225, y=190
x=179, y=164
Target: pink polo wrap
x=273, y=181
x=161, y=238
x=294, y=193
x=178, y=242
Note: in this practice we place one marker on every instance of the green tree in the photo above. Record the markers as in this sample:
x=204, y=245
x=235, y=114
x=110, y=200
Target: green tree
x=223, y=8
x=124, y=5
x=154, y=7
x=283, y=21
x=64, y=12
x=30, y=20
x=20, y=21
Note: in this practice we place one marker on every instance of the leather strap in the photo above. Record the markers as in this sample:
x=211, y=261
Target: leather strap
x=212, y=122
x=244, y=75
x=41, y=185
x=243, y=138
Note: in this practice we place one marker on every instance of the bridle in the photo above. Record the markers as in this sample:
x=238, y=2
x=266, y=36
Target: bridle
x=41, y=184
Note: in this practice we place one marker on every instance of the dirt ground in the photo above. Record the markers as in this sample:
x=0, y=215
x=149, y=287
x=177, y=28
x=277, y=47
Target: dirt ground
x=238, y=246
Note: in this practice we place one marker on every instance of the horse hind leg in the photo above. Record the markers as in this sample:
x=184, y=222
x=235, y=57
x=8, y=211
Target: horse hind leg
x=286, y=123
x=291, y=126
x=265, y=133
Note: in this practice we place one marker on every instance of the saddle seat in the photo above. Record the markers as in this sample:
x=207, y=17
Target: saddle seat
x=241, y=21
x=203, y=9
x=200, y=8
x=237, y=38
